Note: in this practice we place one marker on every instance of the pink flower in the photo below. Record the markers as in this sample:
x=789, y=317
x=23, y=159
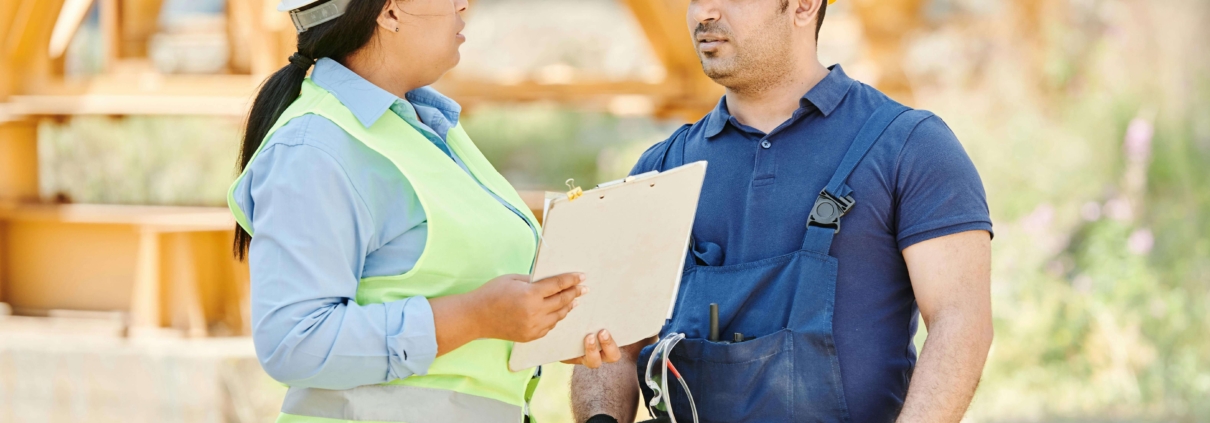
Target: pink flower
x=1138, y=140
x=1140, y=242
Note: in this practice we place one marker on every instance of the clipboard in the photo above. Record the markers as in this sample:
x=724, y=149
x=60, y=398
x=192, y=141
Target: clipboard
x=630, y=238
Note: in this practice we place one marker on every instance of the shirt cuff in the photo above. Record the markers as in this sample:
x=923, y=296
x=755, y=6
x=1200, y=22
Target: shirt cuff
x=413, y=346
x=923, y=233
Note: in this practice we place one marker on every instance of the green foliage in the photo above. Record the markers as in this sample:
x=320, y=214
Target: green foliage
x=182, y=161
x=540, y=146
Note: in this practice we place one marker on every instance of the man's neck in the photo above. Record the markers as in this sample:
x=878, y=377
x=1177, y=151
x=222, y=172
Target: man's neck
x=769, y=106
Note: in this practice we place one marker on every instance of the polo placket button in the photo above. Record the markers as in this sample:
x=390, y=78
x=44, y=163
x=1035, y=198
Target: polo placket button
x=766, y=144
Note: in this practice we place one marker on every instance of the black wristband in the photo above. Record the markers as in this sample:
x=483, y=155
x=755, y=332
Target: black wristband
x=602, y=418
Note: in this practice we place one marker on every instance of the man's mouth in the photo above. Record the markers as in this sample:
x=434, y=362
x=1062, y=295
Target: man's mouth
x=710, y=42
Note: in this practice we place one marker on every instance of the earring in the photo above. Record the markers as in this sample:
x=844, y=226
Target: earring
x=396, y=28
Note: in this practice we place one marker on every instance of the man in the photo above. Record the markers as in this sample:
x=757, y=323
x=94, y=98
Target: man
x=818, y=292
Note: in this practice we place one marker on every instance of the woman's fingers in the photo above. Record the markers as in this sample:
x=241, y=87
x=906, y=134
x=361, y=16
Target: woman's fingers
x=556, y=284
x=592, y=352
x=563, y=299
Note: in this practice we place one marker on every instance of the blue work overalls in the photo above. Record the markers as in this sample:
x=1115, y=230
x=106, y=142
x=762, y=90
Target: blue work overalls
x=787, y=370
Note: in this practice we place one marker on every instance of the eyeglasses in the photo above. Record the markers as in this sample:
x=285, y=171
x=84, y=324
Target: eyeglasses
x=658, y=383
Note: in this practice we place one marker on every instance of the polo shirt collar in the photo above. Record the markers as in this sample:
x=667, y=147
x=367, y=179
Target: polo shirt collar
x=825, y=96
x=365, y=100
x=828, y=93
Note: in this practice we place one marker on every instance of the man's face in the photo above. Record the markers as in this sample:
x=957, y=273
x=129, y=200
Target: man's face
x=742, y=42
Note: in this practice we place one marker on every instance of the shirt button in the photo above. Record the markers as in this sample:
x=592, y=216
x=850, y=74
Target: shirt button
x=766, y=144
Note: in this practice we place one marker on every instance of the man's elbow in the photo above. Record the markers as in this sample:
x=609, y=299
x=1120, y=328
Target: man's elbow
x=986, y=333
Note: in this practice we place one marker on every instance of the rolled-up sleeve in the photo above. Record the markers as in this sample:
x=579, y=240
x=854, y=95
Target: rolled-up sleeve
x=311, y=234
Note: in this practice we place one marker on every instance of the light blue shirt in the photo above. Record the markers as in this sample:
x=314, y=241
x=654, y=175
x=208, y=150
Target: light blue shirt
x=327, y=212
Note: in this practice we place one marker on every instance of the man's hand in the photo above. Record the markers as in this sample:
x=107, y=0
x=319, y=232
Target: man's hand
x=612, y=389
x=598, y=348
x=951, y=277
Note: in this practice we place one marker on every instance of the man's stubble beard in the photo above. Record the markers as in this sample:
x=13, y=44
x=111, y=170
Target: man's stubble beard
x=761, y=65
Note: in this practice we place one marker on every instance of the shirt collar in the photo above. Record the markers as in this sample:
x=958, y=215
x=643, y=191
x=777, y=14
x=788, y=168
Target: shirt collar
x=429, y=97
x=363, y=98
x=828, y=93
x=825, y=96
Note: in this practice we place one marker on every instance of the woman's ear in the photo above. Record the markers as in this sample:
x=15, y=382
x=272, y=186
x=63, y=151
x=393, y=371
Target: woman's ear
x=388, y=19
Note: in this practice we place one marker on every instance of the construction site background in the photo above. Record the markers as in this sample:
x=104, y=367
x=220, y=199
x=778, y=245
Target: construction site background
x=1089, y=121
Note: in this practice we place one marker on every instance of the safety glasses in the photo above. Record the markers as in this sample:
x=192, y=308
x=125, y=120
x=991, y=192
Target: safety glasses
x=658, y=383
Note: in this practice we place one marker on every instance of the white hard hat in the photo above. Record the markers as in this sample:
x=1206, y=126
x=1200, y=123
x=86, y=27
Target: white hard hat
x=318, y=11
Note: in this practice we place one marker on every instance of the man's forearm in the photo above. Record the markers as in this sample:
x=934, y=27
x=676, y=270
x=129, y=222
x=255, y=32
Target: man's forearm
x=948, y=370
x=612, y=389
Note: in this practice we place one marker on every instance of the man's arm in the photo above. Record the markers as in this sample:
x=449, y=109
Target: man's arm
x=612, y=389
x=951, y=277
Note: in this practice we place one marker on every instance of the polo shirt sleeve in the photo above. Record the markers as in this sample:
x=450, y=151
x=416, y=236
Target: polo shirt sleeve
x=650, y=160
x=937, y=188
x=654, y=157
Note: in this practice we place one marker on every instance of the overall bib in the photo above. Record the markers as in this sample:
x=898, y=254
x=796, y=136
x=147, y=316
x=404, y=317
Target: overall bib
x=787, y=369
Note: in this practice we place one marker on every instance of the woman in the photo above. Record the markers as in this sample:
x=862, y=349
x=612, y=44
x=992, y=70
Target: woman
x=377, y=233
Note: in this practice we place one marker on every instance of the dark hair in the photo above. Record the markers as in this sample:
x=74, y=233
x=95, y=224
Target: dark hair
x=823, y=11
x=336, y=39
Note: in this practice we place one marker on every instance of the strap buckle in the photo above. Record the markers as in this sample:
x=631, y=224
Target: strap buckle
x=828, y=210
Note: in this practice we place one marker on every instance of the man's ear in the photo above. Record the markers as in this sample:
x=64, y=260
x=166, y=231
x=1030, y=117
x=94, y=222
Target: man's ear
x=388, y=18
x=806, y=12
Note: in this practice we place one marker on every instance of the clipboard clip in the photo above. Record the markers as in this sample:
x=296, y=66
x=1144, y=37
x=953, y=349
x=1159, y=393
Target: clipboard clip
x=574, y=191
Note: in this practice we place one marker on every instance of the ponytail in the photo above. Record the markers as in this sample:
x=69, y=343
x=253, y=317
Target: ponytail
x=336, y=39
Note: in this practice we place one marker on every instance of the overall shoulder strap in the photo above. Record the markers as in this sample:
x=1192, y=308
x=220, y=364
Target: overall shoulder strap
x=836, y=198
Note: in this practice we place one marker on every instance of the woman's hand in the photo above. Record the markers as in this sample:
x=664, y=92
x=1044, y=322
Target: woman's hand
x=599, y=348
x=507, y=307
x=513, y=309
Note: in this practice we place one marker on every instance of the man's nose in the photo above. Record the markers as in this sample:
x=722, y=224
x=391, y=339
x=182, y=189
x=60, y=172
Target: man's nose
x=461, y=5
x=703, y=11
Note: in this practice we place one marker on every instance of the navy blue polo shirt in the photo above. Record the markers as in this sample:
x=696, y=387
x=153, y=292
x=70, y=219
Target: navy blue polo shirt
x=916, y=184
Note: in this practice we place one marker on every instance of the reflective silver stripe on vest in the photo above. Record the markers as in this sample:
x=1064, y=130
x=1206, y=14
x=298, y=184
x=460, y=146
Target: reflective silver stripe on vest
x=398, y=403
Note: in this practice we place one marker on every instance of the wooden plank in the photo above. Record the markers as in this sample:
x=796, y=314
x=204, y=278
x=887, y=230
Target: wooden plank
x=158, y=218
x=242, y=36
x=146, y=298
x=664, y=23
x=69, y=266
x=186, y=307
x=71, y=16
x=49, y=105
x=111, y=31
x=474, y=90
x=4, y=277
x=18, y=24
x=30, y=59
x=139, y=21
x=18, y=161
x=239, y=294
